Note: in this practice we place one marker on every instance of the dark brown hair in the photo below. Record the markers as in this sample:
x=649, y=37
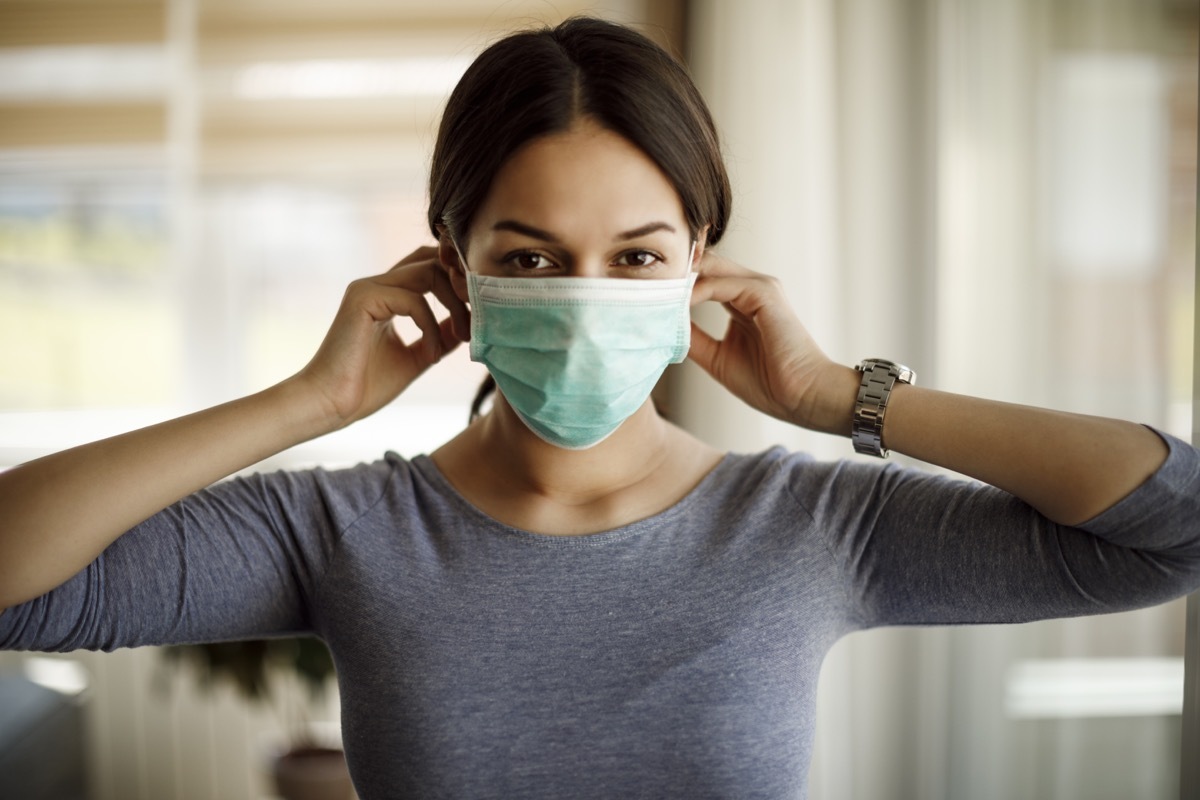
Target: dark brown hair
x=539, y=82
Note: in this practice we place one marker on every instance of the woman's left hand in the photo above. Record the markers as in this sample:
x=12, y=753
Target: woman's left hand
x=766, y=357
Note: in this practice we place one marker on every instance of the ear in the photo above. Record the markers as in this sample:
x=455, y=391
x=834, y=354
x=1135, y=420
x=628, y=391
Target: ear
x=455, y=269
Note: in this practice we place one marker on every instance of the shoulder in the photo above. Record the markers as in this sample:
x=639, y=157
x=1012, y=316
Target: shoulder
x=799, y=472
x=340, y=494
x=835, y=488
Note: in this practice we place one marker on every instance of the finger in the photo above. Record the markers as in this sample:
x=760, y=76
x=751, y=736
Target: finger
x=422, y=314
x=443, y=290
x=450, y=338
x=703, y=349
x=382, y=303
x=718, y=265
x=415, y=275
x=429, y=277
x=746, y=296
x=423, y=253
x=431, y=351
x=424, y=277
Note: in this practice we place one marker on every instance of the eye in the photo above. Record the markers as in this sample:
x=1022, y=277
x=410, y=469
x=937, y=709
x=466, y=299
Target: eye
x=638, y=258
x=528, y=261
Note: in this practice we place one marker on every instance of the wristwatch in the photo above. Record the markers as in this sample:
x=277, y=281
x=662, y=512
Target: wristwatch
x=878, y=378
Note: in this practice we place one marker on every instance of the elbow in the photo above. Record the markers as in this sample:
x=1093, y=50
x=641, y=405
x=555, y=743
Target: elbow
x=10, y=597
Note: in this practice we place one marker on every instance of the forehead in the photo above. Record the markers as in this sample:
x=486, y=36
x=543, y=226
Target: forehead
x=587, y=176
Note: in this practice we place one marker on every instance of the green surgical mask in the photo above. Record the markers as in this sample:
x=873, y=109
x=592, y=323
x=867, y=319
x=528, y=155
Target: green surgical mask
x=575, y=357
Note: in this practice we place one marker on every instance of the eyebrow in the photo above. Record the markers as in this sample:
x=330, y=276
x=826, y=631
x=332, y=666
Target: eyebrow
x=546, y=236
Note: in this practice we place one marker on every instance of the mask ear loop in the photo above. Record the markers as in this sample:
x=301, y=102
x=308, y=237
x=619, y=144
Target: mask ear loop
x=461, y=260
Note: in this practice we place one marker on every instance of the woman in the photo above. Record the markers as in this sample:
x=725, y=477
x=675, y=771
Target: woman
x=572, y=597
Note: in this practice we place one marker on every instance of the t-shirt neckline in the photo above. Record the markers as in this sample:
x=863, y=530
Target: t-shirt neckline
x=430, y=471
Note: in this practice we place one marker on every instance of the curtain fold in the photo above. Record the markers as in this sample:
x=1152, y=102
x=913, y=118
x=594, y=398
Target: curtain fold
x=990, y=191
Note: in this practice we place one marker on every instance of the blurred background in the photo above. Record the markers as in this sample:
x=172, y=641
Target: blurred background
x=999, y=193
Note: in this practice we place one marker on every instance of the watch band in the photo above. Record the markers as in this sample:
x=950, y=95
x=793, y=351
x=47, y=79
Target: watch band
x=878, y=378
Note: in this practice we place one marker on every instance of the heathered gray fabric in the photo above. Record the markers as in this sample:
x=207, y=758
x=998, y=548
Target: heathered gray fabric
x=674, y=657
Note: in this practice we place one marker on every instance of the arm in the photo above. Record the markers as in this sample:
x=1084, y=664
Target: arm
x=916, y=548
x=1069, y=467
x=59, y=512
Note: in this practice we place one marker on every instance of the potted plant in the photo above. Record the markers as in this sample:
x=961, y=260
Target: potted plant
x=306, y=769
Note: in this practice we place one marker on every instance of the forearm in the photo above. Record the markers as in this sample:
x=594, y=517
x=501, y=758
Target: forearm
x=59, y=512
x=1070, y=467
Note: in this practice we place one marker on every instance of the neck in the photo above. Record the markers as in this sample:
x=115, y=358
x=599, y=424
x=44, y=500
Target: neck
x=503, y=469
x=519, y=458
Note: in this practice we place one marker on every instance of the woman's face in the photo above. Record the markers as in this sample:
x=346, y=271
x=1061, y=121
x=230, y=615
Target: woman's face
x=584, y=203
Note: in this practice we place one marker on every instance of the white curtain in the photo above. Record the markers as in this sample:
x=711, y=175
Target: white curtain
x=986, y=190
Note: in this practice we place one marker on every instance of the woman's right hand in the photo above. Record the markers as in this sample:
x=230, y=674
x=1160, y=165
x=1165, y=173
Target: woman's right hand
x=116, y=483
x=363, y=364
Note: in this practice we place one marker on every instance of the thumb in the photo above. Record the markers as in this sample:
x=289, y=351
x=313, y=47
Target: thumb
x=431, y=349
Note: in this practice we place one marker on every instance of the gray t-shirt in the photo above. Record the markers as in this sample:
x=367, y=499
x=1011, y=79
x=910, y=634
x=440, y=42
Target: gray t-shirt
x=674, y=657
